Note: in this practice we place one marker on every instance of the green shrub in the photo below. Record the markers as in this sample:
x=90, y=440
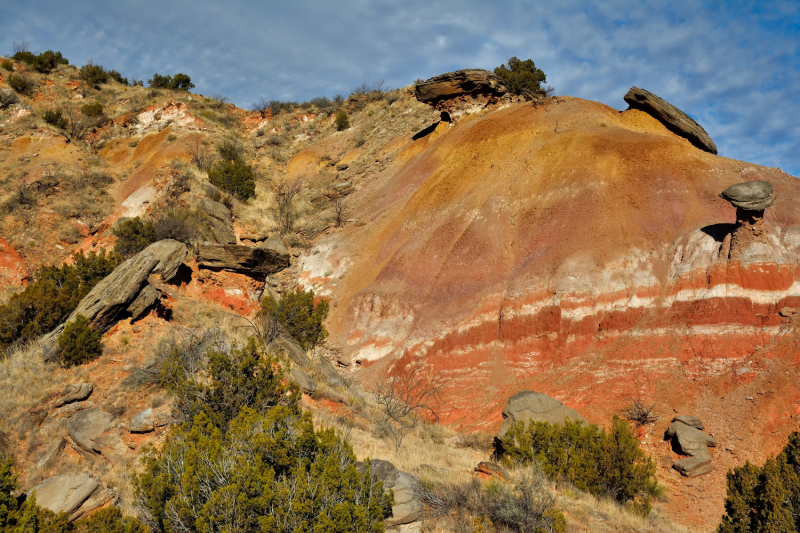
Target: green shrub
x=26, y=517
x=179, y=225
x=93, y=74
x=21, y=84
x=765, y=498
x=55, y=117
x=110, y=520
x=92, y=110
x=49, y=300
x=604, y=463
x=117, y=77
x=301, y=318
x=179, y=82
x=522, y=77
x=7, y=64
x=79, y=342
x=342, y=120
x=44, y=62
x=236, y=178
x=221, y=382
x=133, y=236
x=267, y=472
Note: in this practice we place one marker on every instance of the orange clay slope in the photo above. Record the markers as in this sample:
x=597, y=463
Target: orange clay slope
x=567, y=248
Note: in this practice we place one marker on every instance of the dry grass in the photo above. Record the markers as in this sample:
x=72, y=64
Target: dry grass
x=25, y=379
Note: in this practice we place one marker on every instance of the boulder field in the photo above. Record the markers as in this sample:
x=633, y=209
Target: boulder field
x=572, y=249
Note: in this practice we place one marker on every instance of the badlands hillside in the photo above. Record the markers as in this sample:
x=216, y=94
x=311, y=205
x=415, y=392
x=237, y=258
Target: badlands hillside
x=501, y=243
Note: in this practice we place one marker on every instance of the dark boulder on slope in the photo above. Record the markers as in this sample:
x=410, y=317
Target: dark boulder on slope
x=474, y=83
x=265, y=259
x=673, y=118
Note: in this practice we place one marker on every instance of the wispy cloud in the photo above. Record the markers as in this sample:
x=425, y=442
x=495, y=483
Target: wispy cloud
x=735, y=67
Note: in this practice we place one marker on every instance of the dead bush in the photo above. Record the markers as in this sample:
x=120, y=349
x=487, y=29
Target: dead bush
x=639, y=412
x=284, y=210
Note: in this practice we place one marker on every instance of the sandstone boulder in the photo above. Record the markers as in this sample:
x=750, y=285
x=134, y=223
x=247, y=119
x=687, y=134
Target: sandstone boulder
x=407, y=506
x=488, y=471
x=51, y=454
x=266, y=259
x=85, y=427
x=116, y=296
x=687, y=439
x=529, y=405
x=673, y=118
x=220, y=221
x=75, y=393
x=65, y=493
x=750, y=195
x=475, y=83
x=148, y=420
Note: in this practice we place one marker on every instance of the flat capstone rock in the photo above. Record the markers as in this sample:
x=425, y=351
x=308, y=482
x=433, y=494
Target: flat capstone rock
x=751, y=195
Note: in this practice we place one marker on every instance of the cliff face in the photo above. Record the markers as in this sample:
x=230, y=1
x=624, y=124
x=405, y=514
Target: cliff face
x=567, y=248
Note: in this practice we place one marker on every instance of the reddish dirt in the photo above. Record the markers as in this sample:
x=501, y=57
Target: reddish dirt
x=13, y=271
x=559, y=248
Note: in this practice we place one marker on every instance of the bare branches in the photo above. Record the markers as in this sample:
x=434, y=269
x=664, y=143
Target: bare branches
x=21, y=46
x=412, y=391
x=261, y=105
x=640, y=413
x=339, y=210
x=284, y=210
x=202, y=155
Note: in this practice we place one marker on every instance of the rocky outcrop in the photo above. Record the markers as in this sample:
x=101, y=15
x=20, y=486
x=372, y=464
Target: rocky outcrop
x=407, y=506
x=688, y=439
x=299, y=377
x=51, y=454
x=266, y=259
x=751, y=195
x=220, y=221
x=75, y=393
x=528, y=405
x=751, y=199
x=126, y=292
x=476, y=84
x=673, y=118
x=73, y=494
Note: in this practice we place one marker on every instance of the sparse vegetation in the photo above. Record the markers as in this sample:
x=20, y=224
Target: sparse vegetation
x=638, y=412
x=284, y=209
x=55, y=117
x=7, y=98
x=300, y=316
x=7, y=64
x=133, y=236
x=94, y=109
x=342, y=120
x=404, y=396
x=522, y=77
x=765, y=498
x=604, y=463
x=520, y=504
x=44, y=62
x=49, y=300
x=231, y=174
x=21, y=84
x=79, y=343
x=93, y=74
x=178, y=82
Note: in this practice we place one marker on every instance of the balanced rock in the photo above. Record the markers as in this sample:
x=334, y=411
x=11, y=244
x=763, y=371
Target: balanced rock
x=529, y=405
x=750, y=195
x=75, y=393
x=266, y=259
x=407, y=506
x=220, y=221
x=474, y=83
x=673, y=118
x=117, y=295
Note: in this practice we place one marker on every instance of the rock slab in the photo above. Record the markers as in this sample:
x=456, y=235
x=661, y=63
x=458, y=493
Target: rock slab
x=265, y=259
x=85, y=428
x=751, y=195
x=673, y=118
x=687, y=439
x=220, y=221
x=75, y=393
x=469, y=82
x=529, y=405
x=65, y=493
x=148, y=420
x=116, y=296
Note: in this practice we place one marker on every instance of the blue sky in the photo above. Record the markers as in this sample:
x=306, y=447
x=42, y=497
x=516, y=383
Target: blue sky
x=734, y=66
